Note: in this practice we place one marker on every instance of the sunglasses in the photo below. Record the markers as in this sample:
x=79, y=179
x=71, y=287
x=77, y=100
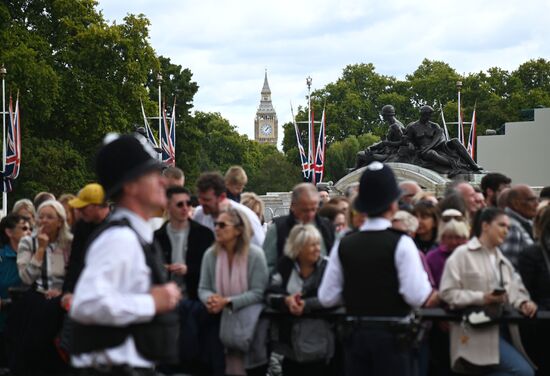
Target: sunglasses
x=447, y=218
x=181, y=203
x=222, y=225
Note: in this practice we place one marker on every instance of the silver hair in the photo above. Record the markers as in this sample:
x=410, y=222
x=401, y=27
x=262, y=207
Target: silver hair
x=453, y=227
x=303, y=189
x=299, y=237
x=409, y=221
x=65, y=236
x=24, y=203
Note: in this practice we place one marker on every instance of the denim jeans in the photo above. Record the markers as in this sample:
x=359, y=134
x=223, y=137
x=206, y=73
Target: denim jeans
x=511, y=361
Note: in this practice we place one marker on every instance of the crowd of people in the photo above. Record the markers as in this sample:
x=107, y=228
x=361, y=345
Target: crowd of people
x=138, y=274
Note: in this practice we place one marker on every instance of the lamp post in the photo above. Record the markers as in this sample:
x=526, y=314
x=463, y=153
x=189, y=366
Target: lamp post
x=311, y=141
x=159, y=81
x=309, y=80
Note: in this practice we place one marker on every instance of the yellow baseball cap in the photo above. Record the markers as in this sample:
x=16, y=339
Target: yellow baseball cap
x=91, y=194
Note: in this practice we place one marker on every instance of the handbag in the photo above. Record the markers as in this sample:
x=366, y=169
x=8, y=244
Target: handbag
x=237, y=327
x=482, y=316
x=312, y=340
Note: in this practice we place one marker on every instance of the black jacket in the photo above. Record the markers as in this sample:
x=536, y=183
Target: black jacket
x=200, y=239
x=535, y=275
x=286, y=223
x=82, y=232
x=277, y=289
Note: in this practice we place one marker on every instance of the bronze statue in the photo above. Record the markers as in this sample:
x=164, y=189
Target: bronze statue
x=387, y=149
x=427, y=141
x=421, y=143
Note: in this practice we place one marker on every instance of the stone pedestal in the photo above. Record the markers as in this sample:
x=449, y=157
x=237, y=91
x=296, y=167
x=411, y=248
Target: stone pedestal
x=429, y=180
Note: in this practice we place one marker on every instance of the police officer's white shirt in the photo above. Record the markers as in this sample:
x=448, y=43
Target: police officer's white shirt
x=114, y=289
x=414, y=285
x=258, y=232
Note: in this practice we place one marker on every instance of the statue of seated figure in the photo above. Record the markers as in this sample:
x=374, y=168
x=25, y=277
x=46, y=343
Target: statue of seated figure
x=385, y=150
x=427, y=143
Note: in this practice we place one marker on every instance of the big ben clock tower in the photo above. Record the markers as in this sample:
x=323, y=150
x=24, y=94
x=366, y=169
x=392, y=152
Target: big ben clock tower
x=265, y=124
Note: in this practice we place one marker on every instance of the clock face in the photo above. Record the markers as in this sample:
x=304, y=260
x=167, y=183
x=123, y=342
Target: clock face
x=266, y=129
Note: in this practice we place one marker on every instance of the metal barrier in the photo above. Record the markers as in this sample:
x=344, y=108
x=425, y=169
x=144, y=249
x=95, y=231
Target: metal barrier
x=422, y=314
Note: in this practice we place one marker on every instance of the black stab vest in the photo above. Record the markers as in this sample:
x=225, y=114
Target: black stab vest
x=371, y=284
x=155, y=340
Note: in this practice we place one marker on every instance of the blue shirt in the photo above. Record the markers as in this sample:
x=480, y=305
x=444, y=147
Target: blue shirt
x=9, y=276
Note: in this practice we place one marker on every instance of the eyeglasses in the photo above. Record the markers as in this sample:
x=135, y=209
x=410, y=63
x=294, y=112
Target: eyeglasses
x=222, y=225
x=181, y=203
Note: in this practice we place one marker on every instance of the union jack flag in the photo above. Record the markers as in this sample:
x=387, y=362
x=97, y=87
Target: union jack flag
x=150, y=135
x=13, y=148
x=168, y=138
x=320, y=154
x=303, y=157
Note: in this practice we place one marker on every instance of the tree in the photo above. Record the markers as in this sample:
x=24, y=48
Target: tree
x=433, y=82
x=79, y=78
x=275, y=174
x=341, y=155
x=50, y=165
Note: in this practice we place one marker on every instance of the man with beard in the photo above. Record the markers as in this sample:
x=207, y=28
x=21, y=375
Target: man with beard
x=213, y=199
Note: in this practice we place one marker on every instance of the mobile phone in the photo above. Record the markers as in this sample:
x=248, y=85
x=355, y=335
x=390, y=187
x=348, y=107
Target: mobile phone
x=297, y=299
x=499, y=291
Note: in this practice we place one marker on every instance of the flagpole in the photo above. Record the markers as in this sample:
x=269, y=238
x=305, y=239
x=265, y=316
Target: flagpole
x=460, y=125
x=3, y=73
x=159, y=79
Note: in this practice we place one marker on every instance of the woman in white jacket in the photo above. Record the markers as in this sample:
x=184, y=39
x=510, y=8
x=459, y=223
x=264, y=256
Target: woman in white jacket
x=477, y=274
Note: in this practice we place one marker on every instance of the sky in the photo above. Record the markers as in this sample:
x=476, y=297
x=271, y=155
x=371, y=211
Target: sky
x=228, y=45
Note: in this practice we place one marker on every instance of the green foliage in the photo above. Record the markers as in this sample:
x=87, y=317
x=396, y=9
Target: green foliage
x=353, y=103
x=50, y=165
x=80, y=78
x=274, y=173
x=340, y=156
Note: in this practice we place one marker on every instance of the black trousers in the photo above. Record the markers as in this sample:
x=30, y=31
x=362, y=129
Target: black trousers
x=377, y=352
x=292, y=368
x=116, y=371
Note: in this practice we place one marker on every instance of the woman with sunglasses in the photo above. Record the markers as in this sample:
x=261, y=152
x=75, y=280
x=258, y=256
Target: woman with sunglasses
x=477, y=274
x=25, y=208
x=42, y=259
x=12, y=229
x=453, y=231
x=233, y=276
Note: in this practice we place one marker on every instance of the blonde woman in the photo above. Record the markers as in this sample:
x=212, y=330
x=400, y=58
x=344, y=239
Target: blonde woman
x=233, y=276
x=453, y=231
x=256, y=204
x=46, y=250
x=38, y=316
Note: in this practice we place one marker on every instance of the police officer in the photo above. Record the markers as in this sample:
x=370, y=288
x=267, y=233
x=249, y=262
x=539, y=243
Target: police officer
x=376, y=272
x=123, y=307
